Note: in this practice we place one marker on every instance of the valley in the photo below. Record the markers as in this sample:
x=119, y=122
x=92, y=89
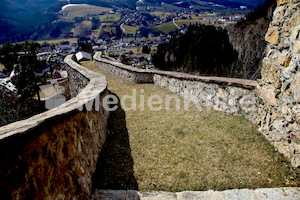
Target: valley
x=60, y=17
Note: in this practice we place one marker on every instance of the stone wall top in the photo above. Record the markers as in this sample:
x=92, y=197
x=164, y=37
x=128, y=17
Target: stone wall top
x=248, y=84
x=97, y=84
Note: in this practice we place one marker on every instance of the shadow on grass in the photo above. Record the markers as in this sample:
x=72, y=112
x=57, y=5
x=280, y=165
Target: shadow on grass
x=115, y=164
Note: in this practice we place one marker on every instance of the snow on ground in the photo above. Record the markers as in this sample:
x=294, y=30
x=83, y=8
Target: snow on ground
x=69, y=5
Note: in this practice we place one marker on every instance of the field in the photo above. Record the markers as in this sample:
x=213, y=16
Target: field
x=110, y=17
x=106, y=27
x=167, y=8
x=161, y=15
x=82, y=28
x=57, y=41
x=70, y=13
x=169, y=26
x=130, y=29
x=177, y=150
x=165, y=28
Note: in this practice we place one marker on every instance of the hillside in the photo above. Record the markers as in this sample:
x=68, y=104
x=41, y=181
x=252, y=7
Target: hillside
x=247, y=37
x=19, y=18
x=203, y=50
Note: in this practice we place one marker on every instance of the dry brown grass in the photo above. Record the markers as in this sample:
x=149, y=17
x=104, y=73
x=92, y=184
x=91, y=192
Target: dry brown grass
x=193, y=150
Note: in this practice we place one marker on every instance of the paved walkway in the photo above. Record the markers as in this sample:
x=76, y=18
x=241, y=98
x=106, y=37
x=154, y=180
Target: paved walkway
x=242, y=194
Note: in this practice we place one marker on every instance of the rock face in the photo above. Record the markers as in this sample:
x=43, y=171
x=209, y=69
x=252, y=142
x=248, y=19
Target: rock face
x=279, y=87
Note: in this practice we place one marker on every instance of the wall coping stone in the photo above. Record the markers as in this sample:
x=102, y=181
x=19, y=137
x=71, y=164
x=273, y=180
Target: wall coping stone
x=243, y=83
x=97, y=84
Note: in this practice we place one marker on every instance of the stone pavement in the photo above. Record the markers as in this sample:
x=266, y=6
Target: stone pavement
x=287, y=193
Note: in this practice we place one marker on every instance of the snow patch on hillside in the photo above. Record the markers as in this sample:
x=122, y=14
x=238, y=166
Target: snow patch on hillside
x=69, y=5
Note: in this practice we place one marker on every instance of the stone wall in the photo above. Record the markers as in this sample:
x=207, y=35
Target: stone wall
x=53, y=155
x=279, y=88
x=221, y=97
x=77, y=81
x=273, y=103
x=235, y=96
x=128, y=73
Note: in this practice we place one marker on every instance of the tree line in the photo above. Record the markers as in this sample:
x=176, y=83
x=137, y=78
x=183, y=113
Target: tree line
x=204, y=50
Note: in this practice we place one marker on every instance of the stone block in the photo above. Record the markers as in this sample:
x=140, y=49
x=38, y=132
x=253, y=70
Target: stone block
x=272, y=36
x=284, y=59
x=295, y=33
x=270, y=73
x=277, y=193
x=295, y=87
x=280, y=2
x=295, y=20
x=269, y=96
x=296, y=138
x=295, y=45
x=283, y=148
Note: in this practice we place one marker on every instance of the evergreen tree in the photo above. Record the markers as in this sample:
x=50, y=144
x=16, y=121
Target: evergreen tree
x=27, y=82
x=146, y=49
x=203, y=49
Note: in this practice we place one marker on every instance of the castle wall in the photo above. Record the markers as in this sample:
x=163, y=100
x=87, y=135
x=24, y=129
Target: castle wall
x=279, y=88
x=235, y=96
x=53, y=155
x=272, y=102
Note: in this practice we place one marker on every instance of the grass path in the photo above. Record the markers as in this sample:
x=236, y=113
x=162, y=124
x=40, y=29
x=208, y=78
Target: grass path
x=192, y=150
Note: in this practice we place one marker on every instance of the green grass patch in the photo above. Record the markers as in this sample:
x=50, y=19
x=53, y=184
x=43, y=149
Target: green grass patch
x=194, y=150
x=110, y=17
x=105, y=27
x=165, y=28
x=81, y=11
x=130, y=29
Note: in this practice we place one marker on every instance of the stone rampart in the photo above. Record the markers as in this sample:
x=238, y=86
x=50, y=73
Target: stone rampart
x=279, y=89
x=235, y=96
x=272, y=102
x=53, y=155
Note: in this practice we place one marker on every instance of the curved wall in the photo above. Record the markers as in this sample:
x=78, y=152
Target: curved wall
x=272, y=103
x=54, y=154
x=235, y=96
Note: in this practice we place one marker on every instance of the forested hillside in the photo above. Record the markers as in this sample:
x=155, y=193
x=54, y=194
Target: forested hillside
x=203, y=50
x=206, y=50
x=247, y=37
x=23, y=20
x=229, y=3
